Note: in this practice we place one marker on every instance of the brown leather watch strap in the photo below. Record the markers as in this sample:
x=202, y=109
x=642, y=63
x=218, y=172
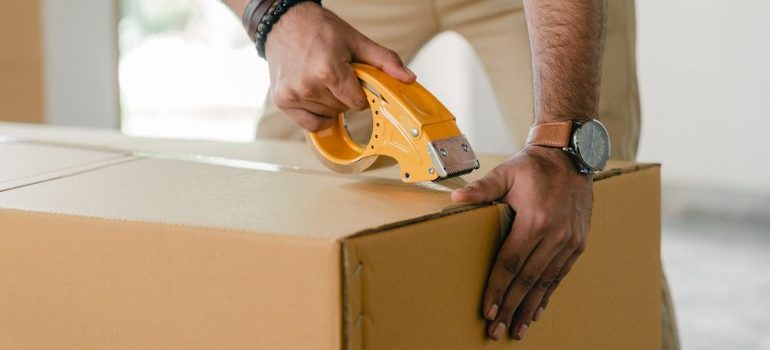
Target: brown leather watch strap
x=551, y=134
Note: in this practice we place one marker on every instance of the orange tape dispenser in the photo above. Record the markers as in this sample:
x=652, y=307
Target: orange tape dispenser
x=409, y=125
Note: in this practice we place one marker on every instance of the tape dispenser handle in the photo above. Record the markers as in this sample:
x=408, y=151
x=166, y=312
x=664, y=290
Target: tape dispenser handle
x=406, y=118
x=335, y=143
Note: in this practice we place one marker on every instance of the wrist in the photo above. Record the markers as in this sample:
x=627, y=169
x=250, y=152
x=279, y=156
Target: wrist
x=253, y=13
x=261, y=16
x=552, y=117
x=585, y=141
x=554, y=157
x=557, y=163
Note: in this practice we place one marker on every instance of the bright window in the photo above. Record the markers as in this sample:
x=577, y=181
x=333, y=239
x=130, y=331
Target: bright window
x=188, y=70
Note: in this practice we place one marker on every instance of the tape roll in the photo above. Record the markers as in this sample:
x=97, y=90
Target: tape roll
x=367, y=163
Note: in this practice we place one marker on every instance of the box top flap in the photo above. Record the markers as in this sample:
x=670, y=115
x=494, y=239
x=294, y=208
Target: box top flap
x=24, y=164
x=267, y=187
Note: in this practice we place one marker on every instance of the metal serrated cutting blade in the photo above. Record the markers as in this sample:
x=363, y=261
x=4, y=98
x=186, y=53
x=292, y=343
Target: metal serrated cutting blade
x=445, y=185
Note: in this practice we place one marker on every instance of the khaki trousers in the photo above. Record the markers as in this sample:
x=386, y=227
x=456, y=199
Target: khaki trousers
x=497, y=31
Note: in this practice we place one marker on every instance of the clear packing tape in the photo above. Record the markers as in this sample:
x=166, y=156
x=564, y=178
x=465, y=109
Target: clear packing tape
x=446, y=185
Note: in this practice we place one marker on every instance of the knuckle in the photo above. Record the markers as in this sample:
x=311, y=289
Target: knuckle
x=511, y=264
x=307, y=121
x=356, y=97
x=540, y=219
x=301, y=91
x=564, y=237
x=277, y=99
x=282, y=96
x=550, y=278
x=576, y=242
x=555, y=282
x=526, y=281
x=312, y=125
x=545, y=284
x=553, y=271
x=548, y=283
x=328, y=75
x=361, y=103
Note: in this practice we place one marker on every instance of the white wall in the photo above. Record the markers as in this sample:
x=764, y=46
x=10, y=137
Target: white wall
x=80, y=59
x=705, y=83
x=449, y=69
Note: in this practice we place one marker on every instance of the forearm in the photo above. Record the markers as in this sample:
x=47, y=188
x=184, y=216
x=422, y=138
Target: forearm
x=566, y=39
x=237, y=6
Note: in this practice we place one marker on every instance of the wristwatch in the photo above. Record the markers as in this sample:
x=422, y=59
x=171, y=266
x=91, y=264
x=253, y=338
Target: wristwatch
x=586, y=141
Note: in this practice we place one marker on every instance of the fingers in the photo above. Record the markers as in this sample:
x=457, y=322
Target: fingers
x=564, y=271
x=367, y=51
x=529, y=310
x=522, y=284
x=302, y=92
x=334, y=85
x=497, y=307
x=536, y=298
x=309, y=121
x=311, y=115
x=547, y=235
x=327, y=94
x=319, y=109
x=491, y=187
x=347, y=89
x=323, y=98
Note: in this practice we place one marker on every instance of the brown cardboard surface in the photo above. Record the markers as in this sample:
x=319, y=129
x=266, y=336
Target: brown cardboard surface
x=169, y=253
x=184, y=193
x=88, y=137
x=21, y=61
x=83, y=283
x=420, y=285
x=23, y=164
x=270, y=152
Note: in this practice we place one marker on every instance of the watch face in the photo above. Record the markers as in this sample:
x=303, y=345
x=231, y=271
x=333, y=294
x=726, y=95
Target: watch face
x=592, y=144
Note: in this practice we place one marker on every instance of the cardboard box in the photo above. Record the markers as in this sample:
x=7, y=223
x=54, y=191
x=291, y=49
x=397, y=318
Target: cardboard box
x=238, y=247
x=21, y=61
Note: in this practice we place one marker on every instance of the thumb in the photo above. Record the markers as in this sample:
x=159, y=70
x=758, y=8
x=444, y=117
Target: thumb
x=491, y=187
x=367, y=51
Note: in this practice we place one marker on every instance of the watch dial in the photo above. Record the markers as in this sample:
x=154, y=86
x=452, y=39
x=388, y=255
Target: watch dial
x=592, y=144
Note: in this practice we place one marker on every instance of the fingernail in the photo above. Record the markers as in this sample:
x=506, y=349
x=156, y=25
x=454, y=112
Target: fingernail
x=538, y=313
x=464, y=189
x=521, y=331
x=410, y=71
x=498, y=332
x=492, y=312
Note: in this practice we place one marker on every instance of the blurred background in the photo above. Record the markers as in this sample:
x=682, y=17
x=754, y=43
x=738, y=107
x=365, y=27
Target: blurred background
x=185, y=69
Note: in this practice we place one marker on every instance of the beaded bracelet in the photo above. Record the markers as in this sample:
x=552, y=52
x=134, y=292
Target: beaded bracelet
x=277, y=9
x=253, y=13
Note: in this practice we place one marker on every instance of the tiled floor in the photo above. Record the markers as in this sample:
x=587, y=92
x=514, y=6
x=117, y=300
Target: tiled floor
x=719, y=273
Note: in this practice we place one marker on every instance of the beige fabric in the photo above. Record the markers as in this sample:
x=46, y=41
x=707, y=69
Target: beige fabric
x=670, y=332
x=497, y=31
